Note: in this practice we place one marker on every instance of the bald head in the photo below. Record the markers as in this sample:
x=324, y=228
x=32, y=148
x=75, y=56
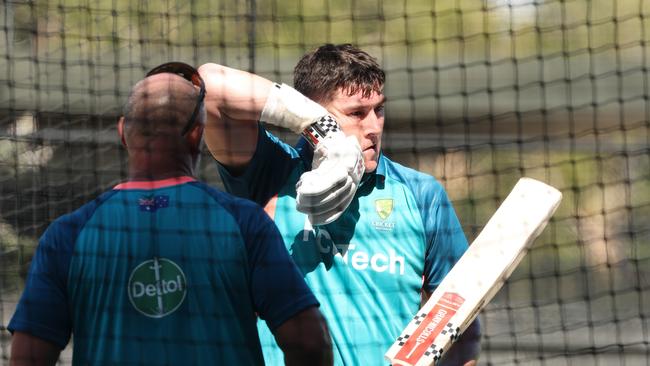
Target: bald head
x=161, y=104
x=158, y=109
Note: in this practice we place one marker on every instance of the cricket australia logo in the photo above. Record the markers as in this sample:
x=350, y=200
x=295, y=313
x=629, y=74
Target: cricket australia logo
x=157, y=287
x=384, y=207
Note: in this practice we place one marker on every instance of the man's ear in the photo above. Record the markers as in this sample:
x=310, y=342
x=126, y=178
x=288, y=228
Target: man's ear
x=120, y=130
x=194, y=137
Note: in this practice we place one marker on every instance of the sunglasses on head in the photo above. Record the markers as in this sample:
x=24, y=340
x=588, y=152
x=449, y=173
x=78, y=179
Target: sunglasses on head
x=190, y=74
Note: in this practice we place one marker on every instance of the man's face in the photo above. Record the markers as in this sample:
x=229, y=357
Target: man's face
x=361, y=117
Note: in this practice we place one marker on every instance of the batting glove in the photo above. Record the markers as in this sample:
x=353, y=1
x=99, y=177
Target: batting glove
x=337, y=167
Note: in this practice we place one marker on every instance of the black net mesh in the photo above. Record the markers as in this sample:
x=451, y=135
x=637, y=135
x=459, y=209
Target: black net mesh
x=479, y=93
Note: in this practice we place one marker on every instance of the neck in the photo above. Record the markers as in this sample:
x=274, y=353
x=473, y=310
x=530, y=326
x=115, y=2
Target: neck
x=144, y=168
x=138, y=175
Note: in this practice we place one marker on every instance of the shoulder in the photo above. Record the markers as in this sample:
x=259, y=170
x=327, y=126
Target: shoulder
x=60, y=236
x=73, y=222
x=244, y=211
x=270, y=146
x=269, y=142
x=422, y=185
x=256, y=228
x=271, y=169
x=226, y=200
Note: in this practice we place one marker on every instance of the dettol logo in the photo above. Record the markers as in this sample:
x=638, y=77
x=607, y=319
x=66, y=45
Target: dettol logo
x=157, y=287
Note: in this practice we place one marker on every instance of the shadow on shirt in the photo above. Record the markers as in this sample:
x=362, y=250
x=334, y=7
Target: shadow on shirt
x=325, y=242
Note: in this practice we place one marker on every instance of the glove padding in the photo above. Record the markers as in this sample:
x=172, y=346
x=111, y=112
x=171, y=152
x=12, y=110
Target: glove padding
x=326, y=191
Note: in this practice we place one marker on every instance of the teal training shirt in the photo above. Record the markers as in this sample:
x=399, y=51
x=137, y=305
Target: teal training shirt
x=168, y=272
x=399, y=235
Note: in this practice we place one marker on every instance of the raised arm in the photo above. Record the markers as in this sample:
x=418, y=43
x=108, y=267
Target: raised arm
x=236, y=99
x=304, y=339
x=234, y=103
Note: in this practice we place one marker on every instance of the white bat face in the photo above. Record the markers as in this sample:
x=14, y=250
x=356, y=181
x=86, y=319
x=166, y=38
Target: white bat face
x=478, y=275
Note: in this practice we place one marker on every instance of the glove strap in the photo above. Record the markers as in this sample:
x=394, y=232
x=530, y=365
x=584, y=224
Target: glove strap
x=321, y=128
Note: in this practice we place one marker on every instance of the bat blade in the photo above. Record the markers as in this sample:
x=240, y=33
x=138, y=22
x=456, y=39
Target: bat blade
x=477, y=275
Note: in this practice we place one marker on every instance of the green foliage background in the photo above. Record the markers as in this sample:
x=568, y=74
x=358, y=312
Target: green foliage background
x=480, y=93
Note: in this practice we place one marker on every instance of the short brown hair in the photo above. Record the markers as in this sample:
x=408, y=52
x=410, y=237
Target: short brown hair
x=320, y=73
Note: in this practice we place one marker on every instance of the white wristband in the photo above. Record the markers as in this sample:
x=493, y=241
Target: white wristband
x=288, y=108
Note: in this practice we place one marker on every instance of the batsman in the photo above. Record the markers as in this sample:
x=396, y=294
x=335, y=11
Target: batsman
x=373, y=238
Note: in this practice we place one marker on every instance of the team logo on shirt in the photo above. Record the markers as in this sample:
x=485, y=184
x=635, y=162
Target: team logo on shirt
x=384, y=207
x=157, y=287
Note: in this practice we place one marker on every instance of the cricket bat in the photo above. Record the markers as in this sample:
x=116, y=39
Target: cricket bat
x=478, y=274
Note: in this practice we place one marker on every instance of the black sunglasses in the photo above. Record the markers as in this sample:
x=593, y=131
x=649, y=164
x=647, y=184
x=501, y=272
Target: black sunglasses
x=190, y=74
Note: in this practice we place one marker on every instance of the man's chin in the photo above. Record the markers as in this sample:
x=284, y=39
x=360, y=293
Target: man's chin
x=371, y=166
x=370, y=157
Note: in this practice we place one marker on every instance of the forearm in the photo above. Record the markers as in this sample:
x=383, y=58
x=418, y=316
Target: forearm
x=237, y=94
x=233, y=103
x=27, y=350
x=305, y=340
x=236, y=100
x=242, y=96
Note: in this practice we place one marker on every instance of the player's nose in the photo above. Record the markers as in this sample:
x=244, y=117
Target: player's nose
x=372, y=124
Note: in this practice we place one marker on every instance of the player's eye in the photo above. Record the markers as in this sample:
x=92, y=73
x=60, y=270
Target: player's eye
x=356, y=114
x=379, y=109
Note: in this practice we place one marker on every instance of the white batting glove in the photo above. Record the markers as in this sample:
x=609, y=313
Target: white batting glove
x=326, y=191
x=337, y=167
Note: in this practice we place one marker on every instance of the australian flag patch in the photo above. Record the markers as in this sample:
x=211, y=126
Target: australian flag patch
x=152, y=203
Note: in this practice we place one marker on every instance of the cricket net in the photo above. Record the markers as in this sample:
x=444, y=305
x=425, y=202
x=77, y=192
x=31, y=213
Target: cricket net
x=479, y=93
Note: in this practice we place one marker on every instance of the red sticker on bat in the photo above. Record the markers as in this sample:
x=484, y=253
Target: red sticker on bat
x=430, y=327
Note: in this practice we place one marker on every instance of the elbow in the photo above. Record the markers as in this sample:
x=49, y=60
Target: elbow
x=320, y=349
x=209, y=67
x=314, y=349
x=214, y=77
x=305, y=340
x=211, y=73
